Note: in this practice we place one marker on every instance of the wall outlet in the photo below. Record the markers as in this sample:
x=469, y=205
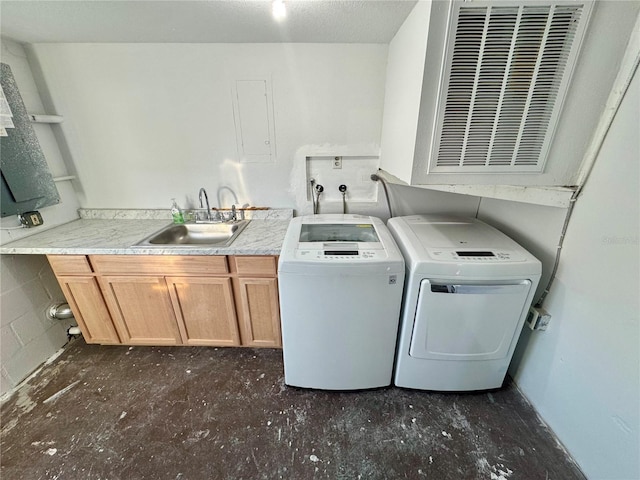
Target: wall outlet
x=538, y=318
x=30, y=219
x=337, y=162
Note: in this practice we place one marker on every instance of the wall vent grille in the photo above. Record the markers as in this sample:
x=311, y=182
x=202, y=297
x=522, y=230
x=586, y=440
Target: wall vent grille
x=506, y=73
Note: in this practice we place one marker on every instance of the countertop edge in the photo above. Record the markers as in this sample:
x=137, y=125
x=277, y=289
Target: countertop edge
x=137, y=251
x=117, y=237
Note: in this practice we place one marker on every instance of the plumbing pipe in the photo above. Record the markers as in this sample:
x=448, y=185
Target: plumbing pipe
x=59, y=311
x=74, y=331
x=62, y=311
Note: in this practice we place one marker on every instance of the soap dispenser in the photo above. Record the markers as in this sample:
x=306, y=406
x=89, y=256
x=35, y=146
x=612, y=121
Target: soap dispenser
x=176, y=213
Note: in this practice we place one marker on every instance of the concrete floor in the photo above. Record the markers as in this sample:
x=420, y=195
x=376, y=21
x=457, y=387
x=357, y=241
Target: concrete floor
x=101, y=412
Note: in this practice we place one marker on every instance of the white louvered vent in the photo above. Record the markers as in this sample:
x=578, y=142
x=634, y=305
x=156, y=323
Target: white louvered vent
x=506, y=73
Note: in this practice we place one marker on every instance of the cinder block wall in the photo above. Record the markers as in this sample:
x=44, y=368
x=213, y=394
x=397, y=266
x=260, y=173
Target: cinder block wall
x=27, y=336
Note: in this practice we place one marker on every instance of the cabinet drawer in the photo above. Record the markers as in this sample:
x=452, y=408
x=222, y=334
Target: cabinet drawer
x=69, y=264
x=159, y=264
x=258, y=265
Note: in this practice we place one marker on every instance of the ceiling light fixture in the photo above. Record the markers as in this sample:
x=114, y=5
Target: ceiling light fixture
x=278, y=9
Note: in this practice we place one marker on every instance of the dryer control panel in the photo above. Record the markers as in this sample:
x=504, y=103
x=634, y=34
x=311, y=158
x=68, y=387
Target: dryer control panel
x=473, y=256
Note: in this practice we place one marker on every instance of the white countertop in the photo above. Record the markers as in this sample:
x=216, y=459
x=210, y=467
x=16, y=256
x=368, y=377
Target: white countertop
x=116, y=237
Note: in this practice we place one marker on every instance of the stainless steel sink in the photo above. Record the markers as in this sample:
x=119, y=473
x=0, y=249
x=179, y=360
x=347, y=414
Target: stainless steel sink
x=195, y=235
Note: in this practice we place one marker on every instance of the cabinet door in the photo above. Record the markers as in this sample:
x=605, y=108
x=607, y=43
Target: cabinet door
x=258, y=311
x=141, y=310
x=89, y=308
x=205, y=310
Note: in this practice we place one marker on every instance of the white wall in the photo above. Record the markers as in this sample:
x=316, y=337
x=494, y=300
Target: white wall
x=583, y=374
x=537, y=228
x=405, y=68
x=147, y=122
x=27, y=284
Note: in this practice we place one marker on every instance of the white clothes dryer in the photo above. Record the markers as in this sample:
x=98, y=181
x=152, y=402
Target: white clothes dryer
x=468, y=289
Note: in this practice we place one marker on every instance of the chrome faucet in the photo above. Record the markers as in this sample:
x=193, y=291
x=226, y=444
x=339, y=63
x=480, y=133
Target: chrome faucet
x=206, y=199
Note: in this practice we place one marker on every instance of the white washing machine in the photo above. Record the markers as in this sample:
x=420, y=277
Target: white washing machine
x=340, y=282
x=467, y=292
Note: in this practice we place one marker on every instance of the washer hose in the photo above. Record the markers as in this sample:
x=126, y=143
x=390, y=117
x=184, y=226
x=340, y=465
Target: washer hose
x=343, y=191
x=316, y=206
x=377, y=178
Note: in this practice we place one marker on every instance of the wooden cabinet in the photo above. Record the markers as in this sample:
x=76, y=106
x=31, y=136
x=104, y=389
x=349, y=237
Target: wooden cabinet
x=141, y=309
x=173, y=300
x=205, y=309
x=159, y=264
x=256, y=289
x=85, y=299
x=258, y=311
x=70, y=264
x=83, y=293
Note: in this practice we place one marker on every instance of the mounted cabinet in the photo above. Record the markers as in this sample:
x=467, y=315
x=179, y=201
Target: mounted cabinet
x=172, y=300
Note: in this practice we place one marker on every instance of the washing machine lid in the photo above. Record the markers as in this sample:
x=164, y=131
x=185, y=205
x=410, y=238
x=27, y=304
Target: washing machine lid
x=338, y=232
x=339, y=240
x=460, y=246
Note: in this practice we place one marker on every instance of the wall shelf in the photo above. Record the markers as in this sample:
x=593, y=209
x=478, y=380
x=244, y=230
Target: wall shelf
x=42, y=118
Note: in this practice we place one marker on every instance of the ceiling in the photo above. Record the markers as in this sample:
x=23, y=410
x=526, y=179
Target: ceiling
x=204, y=21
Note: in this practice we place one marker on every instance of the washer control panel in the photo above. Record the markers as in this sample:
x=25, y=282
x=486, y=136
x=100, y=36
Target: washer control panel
x=340, y=255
